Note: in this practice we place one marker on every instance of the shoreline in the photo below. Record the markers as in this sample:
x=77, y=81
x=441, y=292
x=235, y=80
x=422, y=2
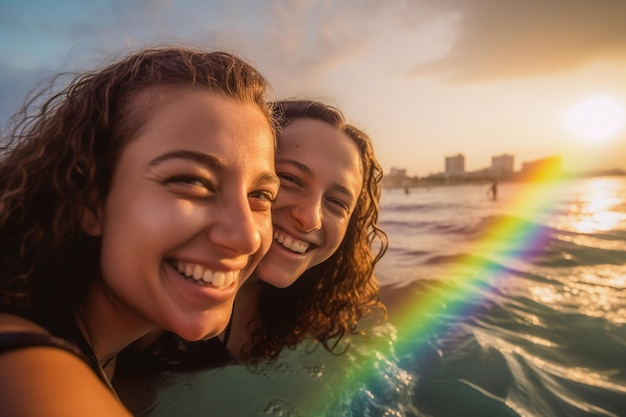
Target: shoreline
x=429, y=183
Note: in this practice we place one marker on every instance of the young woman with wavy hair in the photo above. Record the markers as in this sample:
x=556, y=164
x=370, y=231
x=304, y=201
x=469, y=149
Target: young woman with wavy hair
x=317, y=280
x=136, y=198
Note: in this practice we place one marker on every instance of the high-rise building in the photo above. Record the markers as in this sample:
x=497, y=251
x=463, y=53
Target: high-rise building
x=455, y=165
x=397, y=172
x=502, y=165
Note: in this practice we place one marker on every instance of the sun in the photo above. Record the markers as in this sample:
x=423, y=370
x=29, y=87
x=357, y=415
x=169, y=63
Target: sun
x=596, y=120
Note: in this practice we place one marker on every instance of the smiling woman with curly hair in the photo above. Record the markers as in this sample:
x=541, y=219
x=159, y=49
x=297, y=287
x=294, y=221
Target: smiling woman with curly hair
x=137, y=198
x=324, y=291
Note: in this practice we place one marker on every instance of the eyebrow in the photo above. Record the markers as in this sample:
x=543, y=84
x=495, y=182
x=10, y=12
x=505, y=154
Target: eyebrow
x=269, y=178
x=203, y=159
x=305, y=169
x=298, y=165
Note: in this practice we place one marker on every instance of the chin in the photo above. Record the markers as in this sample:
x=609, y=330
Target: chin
x=192, y=331
x=282, y=284
x=278, y=279
x=278, y=282
x=193, y=335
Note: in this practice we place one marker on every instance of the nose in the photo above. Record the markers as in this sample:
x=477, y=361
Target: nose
x=237, y=229
x=308, y=213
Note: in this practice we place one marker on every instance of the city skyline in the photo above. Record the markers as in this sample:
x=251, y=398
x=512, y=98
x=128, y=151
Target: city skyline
x=501, y=166
x=423, y=78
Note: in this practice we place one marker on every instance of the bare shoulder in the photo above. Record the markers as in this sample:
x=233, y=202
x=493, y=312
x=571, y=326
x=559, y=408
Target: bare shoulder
x=44, y=380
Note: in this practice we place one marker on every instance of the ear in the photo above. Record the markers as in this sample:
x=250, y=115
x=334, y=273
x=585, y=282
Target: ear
x=90, y=220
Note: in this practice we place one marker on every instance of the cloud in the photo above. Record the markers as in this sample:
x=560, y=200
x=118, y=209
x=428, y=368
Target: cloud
x=514, y=39
x=302, y=40
x=299, y=44
x=296, y=41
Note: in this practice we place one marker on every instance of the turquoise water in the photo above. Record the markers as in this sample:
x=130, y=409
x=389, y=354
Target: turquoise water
x=541, y=332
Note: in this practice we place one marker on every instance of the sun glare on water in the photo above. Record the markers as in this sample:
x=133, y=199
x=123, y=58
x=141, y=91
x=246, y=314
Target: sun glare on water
x=596, y=120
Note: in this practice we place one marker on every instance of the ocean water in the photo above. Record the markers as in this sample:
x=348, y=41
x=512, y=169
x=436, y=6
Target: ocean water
x=527, y=322
x=539, y=330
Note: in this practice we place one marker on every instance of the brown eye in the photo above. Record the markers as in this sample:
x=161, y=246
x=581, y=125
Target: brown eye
x=261, y=200
x=289, y=178
x=263, y=195
x=339, y=205
x=191, y=185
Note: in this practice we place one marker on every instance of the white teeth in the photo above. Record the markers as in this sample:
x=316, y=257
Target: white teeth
x=219, y=278
x=201, y=274
x=290, y=243
x=208, y=276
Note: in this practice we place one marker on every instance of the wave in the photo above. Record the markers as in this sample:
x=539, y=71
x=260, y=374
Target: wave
x=544, y=245
x=535, y=326
x=507, y=349
x=426, y=227
x=426, y=208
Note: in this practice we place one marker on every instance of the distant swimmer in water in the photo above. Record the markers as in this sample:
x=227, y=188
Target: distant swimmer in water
x=493, y=191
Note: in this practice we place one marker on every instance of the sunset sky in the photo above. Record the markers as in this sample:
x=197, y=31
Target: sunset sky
x=426, y=79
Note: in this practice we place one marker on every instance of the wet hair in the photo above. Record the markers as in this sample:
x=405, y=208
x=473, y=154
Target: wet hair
x=327, y=301
x=60, y=156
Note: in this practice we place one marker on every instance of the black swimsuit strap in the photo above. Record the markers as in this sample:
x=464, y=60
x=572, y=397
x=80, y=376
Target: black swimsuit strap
x=17, y=340
x=90, y=357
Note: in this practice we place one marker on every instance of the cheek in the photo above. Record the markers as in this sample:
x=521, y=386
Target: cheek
x=265, y=230
x=337, y=234
x=147, y=214
x=132, y=227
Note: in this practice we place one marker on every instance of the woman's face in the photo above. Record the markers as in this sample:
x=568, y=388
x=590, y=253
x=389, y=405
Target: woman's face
x=188, y=215
x=321, y=177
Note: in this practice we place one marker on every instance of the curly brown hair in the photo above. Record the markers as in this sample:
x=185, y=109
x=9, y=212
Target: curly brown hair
x=60, y=156
x=328, y=300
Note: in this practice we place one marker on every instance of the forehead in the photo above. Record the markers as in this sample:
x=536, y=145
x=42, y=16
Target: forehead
x=204, y=121
x=322, y=147
x=305, y=136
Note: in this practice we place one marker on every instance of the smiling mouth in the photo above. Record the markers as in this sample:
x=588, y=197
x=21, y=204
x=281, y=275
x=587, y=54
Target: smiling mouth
x=294, y=245
x=201, y=275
